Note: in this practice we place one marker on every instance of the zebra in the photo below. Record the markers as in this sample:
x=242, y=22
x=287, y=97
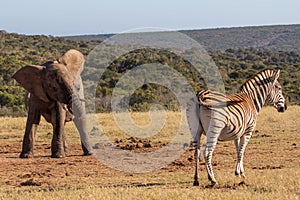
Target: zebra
x=233, y=117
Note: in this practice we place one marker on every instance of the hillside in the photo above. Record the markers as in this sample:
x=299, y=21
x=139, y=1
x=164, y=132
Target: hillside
x=275, y=38
x=238, y=52
x=235, y=66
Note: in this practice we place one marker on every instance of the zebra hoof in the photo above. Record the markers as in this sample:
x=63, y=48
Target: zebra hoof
x=213, y=184
x=196, y=183
x=240, y=175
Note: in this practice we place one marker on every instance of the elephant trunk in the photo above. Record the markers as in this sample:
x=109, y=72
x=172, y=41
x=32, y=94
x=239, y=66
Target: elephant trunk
x=78, y=109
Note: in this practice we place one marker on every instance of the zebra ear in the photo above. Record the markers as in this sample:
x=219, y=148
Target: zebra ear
x=277, y=74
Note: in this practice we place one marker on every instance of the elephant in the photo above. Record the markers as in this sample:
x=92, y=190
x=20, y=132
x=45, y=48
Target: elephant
x=54, y=91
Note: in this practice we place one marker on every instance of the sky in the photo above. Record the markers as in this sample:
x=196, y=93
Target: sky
x=78, y=17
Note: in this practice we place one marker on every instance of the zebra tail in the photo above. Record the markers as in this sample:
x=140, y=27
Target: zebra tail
x=193, y=117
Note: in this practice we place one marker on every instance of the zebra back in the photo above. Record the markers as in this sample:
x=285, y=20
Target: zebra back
x=215, y=99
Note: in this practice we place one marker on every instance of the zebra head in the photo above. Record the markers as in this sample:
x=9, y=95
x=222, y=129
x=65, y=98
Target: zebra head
x=275, y=96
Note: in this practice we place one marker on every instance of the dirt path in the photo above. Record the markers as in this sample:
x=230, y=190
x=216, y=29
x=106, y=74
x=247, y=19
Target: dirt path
x=74, y=171
x=77, y=171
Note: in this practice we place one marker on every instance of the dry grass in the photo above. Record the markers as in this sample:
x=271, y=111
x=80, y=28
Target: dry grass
x=272, y=163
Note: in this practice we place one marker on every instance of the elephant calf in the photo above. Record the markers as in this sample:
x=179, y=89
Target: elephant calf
x=54, y=91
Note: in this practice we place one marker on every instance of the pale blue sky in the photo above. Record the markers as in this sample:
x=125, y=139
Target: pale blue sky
x=75, y=17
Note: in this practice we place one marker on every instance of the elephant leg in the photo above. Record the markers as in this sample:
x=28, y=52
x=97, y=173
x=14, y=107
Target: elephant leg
x=33, y=120
x=65, y=145
x=64, y=135
x=58, y=143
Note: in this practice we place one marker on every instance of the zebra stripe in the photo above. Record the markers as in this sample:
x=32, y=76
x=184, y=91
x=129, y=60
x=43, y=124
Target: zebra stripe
x=232, y=117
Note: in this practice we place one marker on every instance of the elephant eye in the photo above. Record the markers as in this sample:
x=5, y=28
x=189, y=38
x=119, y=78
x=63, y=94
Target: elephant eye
x=52, y=86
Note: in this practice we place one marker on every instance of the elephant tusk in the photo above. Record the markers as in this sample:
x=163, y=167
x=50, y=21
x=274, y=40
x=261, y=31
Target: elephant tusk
x=65, y=107
x=68, y=109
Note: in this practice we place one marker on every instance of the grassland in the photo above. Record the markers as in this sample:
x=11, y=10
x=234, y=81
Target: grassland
x=272, y=163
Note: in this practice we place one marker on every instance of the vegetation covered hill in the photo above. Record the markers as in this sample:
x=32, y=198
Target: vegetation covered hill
x=238, y=52
x=275, y=38
x=235, y=66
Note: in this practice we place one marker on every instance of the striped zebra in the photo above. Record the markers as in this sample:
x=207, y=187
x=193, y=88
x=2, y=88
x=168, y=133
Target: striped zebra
x=232, y=117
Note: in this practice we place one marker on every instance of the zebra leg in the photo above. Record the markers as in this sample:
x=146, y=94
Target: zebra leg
x=196, y=144
x=210, y=146
x=237, y=167
x=240, y=145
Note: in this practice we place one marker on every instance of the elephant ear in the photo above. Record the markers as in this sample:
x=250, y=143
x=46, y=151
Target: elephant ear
x=29, y=77
x=74, y=61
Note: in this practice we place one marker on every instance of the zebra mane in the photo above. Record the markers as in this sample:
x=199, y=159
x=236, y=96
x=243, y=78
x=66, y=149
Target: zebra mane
x=268, y=74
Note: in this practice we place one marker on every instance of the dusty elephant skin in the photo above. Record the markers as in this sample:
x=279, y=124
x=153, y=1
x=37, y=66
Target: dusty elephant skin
x=54, y=91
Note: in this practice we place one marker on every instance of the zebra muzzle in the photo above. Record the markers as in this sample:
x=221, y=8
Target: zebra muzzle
x=282, y=108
